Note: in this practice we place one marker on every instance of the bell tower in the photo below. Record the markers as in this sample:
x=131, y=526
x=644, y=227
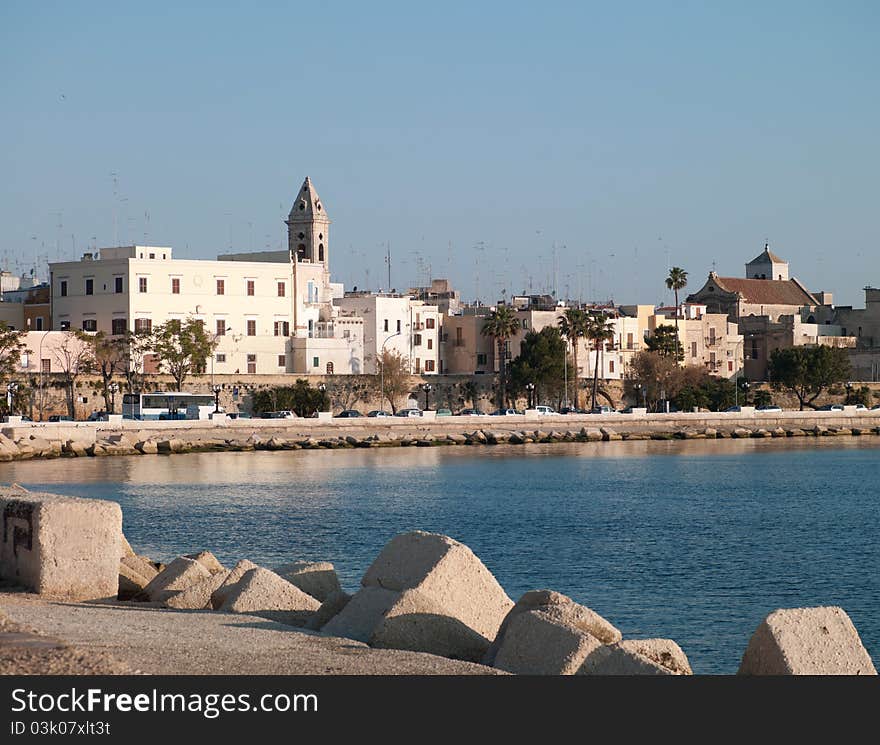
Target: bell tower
x=308, y=227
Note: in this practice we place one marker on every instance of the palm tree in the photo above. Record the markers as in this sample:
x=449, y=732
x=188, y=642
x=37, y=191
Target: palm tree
x=598, y=329
x=572, y=326
x=501, y=325
x=677, y=280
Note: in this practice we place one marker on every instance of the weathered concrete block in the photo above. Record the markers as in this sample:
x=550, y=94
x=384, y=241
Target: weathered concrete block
x=131, y=582
x=806, y=641
x=316, y=578
x=140, y=565
x=60, y=546
x=534, y=643
x=332, y=606
x=218, y=597
x=446, y=572
x=261, y=590
x=178, y=575
x=362, y=614
x=419, y=623
x=561, y=609
x=208, y=560
x=632, y=658
x=147, y=447
x=197, y=596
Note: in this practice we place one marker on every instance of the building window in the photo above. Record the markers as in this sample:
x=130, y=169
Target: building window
x=429, y=365
x=90, y=287
x=754, y=349
x=281, y=289
x=418, y=366
x=90, y=324
x=252, y=364
x=221, y=287
x=316, y=362
x=143, y=325
x=221, y=327
x=118, y=282
x=282, y=328
x=629, y=341
x=329, y=368
x=282, y=360
x=250, y=288
x=39, y=323
x=729, y=366
x=119, y=326
x=175, y=286
x=417, y=340
x=386, y=324
x=45, y=366
x=693, y=349
x=610, y=366
x=142, y=284
x=525, y=323
x=221, y=358
x=481, y=360
x=63, y=288
x=430, y=343
x=65, y=325
x=398, y=325
x=459, y=338
x=252, y=327
x=429, y=323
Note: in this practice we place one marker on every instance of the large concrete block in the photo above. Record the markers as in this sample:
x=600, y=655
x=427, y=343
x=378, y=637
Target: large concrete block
x=316, y=578
x=562, y=609
x=806, y=641
x=178, y=575
x=447, y=573
x=362, y=614
x=332, y=606
x=218, y=597
x=637, y=657
x=197, y=596
x=261, y=590
x=535, y=643
x=208, y=560
x=58, y=546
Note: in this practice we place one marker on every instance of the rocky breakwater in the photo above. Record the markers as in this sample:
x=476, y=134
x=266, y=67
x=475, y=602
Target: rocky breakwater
x=427, y=592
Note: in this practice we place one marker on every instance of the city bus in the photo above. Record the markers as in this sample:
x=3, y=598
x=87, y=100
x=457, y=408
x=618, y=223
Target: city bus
x=167, y=405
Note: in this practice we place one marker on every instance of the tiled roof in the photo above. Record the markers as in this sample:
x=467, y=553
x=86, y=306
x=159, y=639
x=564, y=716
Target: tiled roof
x=767, y=291
x=767, y=254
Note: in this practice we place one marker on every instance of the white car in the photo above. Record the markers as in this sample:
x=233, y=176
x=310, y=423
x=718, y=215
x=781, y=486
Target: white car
x=409, y=412
x=545, y=409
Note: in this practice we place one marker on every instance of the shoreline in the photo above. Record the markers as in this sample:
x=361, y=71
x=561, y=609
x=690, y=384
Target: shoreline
x=133, y=438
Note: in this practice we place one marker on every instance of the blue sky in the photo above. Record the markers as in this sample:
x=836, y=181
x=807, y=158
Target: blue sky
x=479, y=139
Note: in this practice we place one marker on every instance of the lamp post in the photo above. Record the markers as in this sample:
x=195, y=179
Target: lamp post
x=113, y=389
x=427, y=388
x=216, y=389
x=11, y=388
x=644, y=391
x=745, y=386
x=323, y=388
x=382, y=369
x=530, y=387
x=214, y=349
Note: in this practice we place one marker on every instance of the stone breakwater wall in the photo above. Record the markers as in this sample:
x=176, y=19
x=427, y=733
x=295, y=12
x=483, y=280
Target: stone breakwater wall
x=53, y=440
x=424, y=592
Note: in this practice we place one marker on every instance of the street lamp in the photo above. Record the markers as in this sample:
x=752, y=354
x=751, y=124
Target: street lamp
x=217, y=389
x=745, y=386
x=323, y=388
x=427, y=388
x=11, y=388
x=113, y=388
x=530, y=387
x=644, y=391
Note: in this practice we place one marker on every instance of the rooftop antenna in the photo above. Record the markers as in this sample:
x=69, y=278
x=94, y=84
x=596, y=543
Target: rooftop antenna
x=479, y=247
x=388, y=261
x=115, y=177
x=146, y=228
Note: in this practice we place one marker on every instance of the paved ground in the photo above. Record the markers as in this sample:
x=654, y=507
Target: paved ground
x=120, y=638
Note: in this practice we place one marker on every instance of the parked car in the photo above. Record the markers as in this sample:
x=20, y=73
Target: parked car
x=60, y=418
x=100, y=416
x=378, y=413
x=572, y=410
x=348, y=414
x=164, y=416
x=769, y=408
x=506, y=412
x=409, y=412
x=470, y=412
x=831, y=407
x=239, y=415
x=733, y=410
x=444, y=412
x=284, y=414
x=603, y=410
x=545, y=409
x=861, y=407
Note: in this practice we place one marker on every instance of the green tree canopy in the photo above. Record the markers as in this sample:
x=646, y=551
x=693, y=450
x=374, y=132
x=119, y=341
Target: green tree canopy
x=501, y=325
x=541, y=361
x=12, y=346
x=664, y=340
x=573, y=326
x=183, y=348
x=598, y=329
x=808, y=371
x=300, y=398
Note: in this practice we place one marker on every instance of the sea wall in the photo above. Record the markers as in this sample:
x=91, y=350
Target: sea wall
x=78, y=439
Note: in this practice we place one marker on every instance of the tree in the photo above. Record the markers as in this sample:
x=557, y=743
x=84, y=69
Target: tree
x=858, y=396
x=108, y=353
x=677, y=280
x=183, y=348
x=808, y=371
x=664, y=340
x=573, y=326
x=392, y=377
x=300, y=398
x=469, y=392
x=346, y=392
x=541, y=361
x=598, y=330
x=135, y=344
x=74, y=356
x=501, y=325
x=12, y=347
x=763, y=398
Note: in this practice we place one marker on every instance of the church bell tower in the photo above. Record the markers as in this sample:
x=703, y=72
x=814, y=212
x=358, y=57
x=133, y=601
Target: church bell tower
x=308, y=227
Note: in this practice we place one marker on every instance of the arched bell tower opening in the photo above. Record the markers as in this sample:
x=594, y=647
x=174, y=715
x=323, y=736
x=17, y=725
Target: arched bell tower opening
x=308, y=227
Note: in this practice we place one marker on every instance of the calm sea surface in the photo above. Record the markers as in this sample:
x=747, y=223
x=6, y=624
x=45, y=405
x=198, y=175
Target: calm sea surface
x=694, y=541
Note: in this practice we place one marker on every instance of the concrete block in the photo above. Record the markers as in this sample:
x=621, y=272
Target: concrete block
x=362, y=614
x=198, y=596
x=208, y=560
x=561, y=609
x=260, y=590
x=806, y=641
x=332, y=606
x=627, y=658
x=218, y=597
x=131, y=582
x=140, y=565
x=317, y=578
x=178, y=575
x=58, y=546
x=447, y=573
x=535, y=643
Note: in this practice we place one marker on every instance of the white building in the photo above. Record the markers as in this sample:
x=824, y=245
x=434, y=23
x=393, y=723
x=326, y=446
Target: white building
x=270, y=312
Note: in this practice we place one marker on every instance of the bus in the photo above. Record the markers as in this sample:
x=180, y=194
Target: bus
x=167, y=405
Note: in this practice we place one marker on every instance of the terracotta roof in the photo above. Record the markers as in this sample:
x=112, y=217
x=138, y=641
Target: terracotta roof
x=767, y=291
x=767, y=254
